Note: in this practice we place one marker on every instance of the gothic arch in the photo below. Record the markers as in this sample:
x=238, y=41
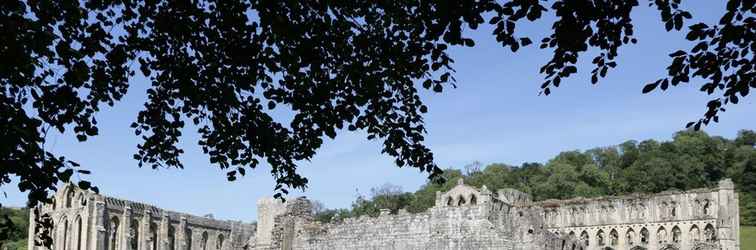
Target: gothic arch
x=153, y=236
x=449, y=201
x=219, y=242
x=600, y=237
x=79, y=232
x=113, y=225
x=203, y=242
x=630, y=237
x=70, y=193
x=134, y=244
x=171, y=238
x=473, y=199
x=188, y=237
x=661, y=235
x=710, y=234
x=461, y=201
x=613, y=237
x=644, y=236
x=695, y=233
x=676, y=234
x=63, y=235
x=585, y=238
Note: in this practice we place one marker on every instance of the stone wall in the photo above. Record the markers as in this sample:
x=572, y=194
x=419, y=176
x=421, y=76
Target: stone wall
x=693, y=219
x=465, y=217
x=85, y=220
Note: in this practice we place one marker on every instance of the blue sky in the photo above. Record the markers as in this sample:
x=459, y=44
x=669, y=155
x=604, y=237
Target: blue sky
x=494, y=116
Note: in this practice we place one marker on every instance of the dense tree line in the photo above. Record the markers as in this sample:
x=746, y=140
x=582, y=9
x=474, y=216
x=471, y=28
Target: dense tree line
x=692, y=159
x=13, y=235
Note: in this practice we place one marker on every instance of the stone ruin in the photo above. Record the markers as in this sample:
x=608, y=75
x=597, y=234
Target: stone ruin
x=465, y=217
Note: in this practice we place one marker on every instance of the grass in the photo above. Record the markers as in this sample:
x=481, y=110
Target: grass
x=747, y=237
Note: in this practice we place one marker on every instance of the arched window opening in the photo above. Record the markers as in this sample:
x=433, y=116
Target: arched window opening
x=153, y=236
x=613, y=237
x=64, y=239
x=461, y=201
x=709, y=233
x=473, y=200
x=114, y=223
x=644, y=235
x=134, y=244
x=600, y=237
x=676, y=234
x=584, y=238
x=79, y=231
x=450, y=201
x=203, y=242
x=219, y=242
x=188, y=237
x=630, y=236
x=171, y=238
x=674, y=211
x=70, y=197
x=706, y=207
x=695, y=233
x=661, y=235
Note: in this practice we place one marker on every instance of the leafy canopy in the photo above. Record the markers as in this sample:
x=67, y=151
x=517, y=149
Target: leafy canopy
x=225, y=66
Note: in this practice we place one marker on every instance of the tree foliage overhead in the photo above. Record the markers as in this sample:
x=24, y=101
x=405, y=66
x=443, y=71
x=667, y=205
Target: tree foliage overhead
x=225, y=66
x=691, y=160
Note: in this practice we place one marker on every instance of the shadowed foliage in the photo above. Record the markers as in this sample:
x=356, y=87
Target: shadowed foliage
x=226, y=66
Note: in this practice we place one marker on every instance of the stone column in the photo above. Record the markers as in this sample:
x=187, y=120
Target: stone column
x=727, y=215
x=100, y=233
x=163, y=233
x=126, y=232
x=181, y=234
x=144, y=231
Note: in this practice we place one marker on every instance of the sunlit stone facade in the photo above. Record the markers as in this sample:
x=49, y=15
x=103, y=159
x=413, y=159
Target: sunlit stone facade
x=465, y=217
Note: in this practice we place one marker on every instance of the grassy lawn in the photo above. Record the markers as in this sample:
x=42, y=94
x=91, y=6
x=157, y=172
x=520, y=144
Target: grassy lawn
x=747, y=237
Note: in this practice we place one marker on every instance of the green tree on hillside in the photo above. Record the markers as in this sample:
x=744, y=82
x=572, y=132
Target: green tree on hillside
x=692, y=159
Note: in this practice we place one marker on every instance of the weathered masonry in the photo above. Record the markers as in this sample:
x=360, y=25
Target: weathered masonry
x=693, y=219
x=85, y=220
x=463, y=218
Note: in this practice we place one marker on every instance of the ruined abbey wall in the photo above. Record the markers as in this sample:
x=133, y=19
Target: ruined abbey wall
x=85, y=220
x=693, y=219
x=465, y=217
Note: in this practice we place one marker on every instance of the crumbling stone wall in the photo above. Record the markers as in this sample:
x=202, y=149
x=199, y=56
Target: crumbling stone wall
x=465, y=217
x=693, y=219
x=85, y=220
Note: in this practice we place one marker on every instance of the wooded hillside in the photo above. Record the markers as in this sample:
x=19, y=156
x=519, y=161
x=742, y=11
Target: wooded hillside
x=692, y=159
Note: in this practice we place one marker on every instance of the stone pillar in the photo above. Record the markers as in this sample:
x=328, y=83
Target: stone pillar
x=126, y=232
x=144, y=232
x=267, y=210
x=100, y=233
x=727, y=216
x=181, y=234
x=163, y=233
